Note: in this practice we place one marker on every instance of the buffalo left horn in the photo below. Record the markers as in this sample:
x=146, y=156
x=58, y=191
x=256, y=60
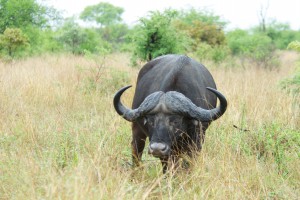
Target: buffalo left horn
x=132, y=114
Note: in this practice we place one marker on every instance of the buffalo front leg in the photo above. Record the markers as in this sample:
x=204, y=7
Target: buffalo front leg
x=137, y=144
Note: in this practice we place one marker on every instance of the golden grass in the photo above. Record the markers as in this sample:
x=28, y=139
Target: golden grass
x=60, y=137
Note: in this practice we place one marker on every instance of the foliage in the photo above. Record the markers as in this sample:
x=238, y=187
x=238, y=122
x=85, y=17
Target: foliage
x=156, y=36
x=104, y=14
x=77, y=40
x=202, y=27
x=114, y=33
x=189, y=16
x=32, y=18
x=182, y=31
x=13, y=39
x=20, y=14
x=202, y=32
x=49, y=42
x=280, y=33
x=217, y=54
x=294, y=45
x=72, y=37
x=257, y=47
x=109, y=18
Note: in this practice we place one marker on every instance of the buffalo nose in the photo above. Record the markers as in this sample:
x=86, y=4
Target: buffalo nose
x=158, y=149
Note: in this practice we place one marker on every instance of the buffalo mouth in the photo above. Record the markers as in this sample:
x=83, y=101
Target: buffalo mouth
x=159, y=150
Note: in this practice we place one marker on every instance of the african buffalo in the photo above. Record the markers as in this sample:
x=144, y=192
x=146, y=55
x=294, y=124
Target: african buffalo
x=174, y=103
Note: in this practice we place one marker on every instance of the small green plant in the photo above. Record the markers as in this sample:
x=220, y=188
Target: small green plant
x=67, y=151
x=93, y=74
x=292, y=84
x=118, y=79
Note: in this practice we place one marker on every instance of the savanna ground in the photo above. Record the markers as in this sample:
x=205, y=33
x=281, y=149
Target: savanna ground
x=60, y=137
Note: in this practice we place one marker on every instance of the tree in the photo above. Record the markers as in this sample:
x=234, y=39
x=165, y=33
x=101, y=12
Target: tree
x=189, y=16
x=72, y=36
x=19, y=14
x=280, y=33
x=262, y=15
x=202, y=32
x=108, y=17
x=78, y=40
x=201, y=26
x=206, y=33
x=13, y=39
x=103, y=14
x=257, y=47
x=155, y=35
x=31, y=17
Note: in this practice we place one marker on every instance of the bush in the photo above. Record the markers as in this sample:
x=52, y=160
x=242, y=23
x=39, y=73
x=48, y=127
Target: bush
x=156, y=36
x=256, y=47
x=77, y=40
x=201, y=27
x=280, y=33
x=12, y=40
x=207, y=52
x=294, y=45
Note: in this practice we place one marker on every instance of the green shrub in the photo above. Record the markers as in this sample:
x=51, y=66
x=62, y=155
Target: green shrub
x=201, y=27
x=207, y=52
x=280, y=33
x=13, y=40
x=256, y=47
x=156, y=36
x=294, y=45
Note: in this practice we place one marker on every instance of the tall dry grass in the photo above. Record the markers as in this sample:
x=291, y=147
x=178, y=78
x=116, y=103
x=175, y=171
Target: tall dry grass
x=60, y=137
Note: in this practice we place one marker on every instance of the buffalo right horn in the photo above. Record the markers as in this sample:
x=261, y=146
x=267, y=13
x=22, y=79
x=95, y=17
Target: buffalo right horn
x=179, y=103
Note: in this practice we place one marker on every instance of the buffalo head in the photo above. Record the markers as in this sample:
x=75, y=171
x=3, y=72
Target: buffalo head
x=167, y=118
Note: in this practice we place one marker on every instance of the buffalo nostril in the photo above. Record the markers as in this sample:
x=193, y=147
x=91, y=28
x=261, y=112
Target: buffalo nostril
x=158, y=146
x=158, y=149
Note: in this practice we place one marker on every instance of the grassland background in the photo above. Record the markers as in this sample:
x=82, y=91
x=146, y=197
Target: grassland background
x=60, y=137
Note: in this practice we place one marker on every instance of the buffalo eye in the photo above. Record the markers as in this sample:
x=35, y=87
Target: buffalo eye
x=149, y=121
x=175, y=122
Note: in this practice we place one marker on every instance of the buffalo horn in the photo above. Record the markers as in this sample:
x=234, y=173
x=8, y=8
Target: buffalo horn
x=132, y=114
x=179, y=103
